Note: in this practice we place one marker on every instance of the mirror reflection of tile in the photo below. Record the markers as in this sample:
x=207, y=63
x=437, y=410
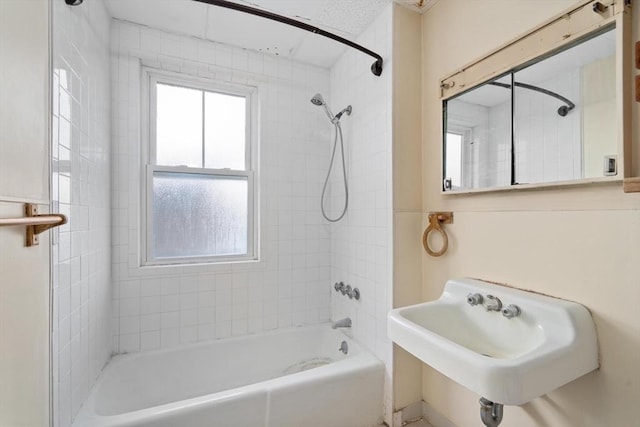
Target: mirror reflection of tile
x=560, y=111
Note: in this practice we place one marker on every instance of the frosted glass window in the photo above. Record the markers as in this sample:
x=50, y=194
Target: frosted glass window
x=224, y=131
x=198, y=215
x=178, y=126
x=200, y=204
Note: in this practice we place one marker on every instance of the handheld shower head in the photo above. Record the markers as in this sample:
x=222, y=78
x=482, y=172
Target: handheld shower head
x=319, y=101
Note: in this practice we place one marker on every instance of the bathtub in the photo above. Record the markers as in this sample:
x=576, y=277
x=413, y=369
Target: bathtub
x=295, y=377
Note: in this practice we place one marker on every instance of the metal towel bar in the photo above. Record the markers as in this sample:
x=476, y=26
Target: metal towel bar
x=34, y=222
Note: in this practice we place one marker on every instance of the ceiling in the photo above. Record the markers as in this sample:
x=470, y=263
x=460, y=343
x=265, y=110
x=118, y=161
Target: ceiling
x=417, y=5
x=346, y=18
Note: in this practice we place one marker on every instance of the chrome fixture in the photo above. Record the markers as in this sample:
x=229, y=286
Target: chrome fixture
x=344, y=347
x=474, y=299
x=342, y=323
x=490, y=412
x=318, y=100
x=347, y=290
x=73, y=2
x=492, y=303
x=511, y=311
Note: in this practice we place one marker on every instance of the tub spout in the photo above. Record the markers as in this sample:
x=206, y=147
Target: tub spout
x=342, y=323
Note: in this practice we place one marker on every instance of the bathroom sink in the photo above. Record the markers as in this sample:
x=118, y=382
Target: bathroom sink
x=511, y=356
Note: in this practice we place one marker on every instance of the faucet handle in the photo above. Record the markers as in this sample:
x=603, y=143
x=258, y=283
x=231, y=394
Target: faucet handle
x=511, y=311
x=474, y=299
x=338, y=286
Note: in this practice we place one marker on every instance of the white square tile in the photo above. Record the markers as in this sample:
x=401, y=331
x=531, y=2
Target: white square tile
x=150, y=340
x=150, y=322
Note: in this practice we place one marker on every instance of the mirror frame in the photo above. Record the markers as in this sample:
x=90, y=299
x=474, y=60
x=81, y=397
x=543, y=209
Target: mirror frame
x=559, y=33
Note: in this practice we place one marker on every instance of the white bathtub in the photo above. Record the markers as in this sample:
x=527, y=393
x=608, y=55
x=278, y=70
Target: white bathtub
x=295, y=377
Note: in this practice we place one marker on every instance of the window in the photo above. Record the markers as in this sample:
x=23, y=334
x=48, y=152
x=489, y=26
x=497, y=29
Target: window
x=453, y=166
x=199, y=180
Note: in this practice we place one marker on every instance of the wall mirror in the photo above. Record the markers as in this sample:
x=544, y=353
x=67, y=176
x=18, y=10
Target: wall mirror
x=552, y=119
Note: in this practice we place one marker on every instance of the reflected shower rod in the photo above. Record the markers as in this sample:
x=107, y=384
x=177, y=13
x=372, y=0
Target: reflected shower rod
x=562, y=111
x=376, y=67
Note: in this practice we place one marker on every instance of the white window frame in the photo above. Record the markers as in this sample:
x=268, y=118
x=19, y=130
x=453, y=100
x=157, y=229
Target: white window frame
x=149, y=103
x=466, y=134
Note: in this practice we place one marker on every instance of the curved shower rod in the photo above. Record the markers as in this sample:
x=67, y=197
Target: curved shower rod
x=376, y=67
x=562, y=111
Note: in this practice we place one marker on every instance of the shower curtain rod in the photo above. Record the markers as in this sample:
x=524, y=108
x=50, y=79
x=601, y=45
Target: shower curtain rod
x=376, y=67
x=563, y=111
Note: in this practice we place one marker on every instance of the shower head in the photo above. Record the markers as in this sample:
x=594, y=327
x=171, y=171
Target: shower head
x=319, y=101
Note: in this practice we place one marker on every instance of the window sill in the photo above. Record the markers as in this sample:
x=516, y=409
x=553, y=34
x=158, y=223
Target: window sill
x=197, y=264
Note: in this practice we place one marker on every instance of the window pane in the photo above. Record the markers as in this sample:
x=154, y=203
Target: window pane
x=198, y=215
x=453, y=169
x=565, y=113
x=483, y=116
x=224, y=131
x=178, y=126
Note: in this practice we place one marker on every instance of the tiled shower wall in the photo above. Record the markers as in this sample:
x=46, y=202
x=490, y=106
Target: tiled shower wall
x=547, y=147
x=81, y=136
x=361, y=243
x=159, y=307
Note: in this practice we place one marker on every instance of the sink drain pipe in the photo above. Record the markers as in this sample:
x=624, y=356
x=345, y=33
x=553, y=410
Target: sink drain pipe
x=490, y=412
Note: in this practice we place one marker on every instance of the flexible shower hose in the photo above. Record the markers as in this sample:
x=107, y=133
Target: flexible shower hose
x=338, y=131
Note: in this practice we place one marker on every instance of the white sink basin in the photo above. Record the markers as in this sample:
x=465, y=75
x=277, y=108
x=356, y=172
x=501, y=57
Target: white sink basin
x=508, y=361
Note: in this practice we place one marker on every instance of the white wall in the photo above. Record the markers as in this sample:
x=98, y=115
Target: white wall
x=81, y=143
x=158, y=307
x=407, y=190
x=361, y=243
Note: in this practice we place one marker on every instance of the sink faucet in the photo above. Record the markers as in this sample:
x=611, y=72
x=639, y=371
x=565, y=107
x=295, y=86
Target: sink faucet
x=342, y=323
x=492, y=303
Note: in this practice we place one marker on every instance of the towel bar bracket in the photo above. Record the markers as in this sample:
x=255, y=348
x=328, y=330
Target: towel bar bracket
x=31, y=211
x=35, y=223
